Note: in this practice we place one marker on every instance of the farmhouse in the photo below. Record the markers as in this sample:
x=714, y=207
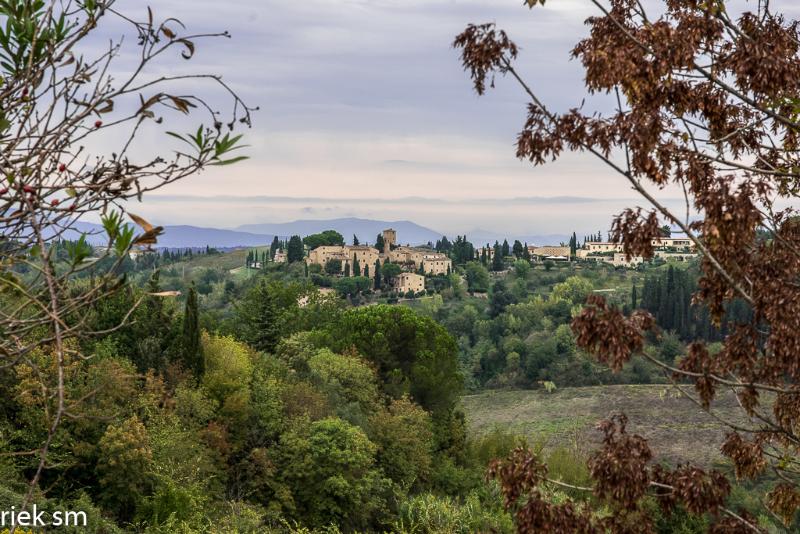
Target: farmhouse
x=550, y=252
x=406, y=282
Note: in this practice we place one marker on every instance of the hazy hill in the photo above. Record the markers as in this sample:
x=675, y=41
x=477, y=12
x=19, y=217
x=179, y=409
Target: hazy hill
x=366, y=229
x=185, y=236
x=251, y=235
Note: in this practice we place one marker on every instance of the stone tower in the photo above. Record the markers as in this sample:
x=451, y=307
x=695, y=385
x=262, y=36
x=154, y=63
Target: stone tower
x=389, y=240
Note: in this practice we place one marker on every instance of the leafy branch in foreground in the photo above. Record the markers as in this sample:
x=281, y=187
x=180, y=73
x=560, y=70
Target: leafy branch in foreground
x=706, y=102
x=60, y=113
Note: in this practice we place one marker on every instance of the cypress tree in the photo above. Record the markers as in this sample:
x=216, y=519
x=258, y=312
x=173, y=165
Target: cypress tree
x=356, y=266
x=192, y=351
x=365, y=274
x=347, y=269
x=506, y=251
x=294, y=250
x=378, y=278
x=497, y=260
x=259, y=316
x=633, y=297
x=355, y=240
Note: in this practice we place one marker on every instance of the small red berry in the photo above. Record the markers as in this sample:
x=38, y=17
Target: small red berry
x=62, y=168
x=24, y=91
x=3, y=191
x=55, y=202
x=74, y=206
x=28, y=189
x=98, y=124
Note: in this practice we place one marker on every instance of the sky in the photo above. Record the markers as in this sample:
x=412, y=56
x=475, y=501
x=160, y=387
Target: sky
x=365, y=111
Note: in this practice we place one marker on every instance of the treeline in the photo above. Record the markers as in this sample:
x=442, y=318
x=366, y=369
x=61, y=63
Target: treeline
x=667, y=295
x=520, y=335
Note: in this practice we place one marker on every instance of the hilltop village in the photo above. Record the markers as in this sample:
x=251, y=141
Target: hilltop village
x=409, y=270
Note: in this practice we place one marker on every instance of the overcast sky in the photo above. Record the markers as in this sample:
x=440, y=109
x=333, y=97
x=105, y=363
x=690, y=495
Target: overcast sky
x=366, y=99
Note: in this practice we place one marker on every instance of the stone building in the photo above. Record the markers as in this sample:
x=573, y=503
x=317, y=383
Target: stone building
x=406, y=282
x=548, y=252
x=389, y=240
x=680, y=243
x=436, y=264
x=347, y=254
x=411, y=258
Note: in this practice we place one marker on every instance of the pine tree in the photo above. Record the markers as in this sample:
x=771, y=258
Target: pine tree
x=379, y=243
x=517, y=249
x=192, y=351
x=506, y=251
x=355, y=240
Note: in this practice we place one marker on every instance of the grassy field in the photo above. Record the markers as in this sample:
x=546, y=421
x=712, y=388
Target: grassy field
x=675, y=427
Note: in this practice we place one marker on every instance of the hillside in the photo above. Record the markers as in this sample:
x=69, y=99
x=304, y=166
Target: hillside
x=676, y=428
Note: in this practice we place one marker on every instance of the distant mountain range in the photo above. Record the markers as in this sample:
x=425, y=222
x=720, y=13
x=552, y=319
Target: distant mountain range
x=183, y=236
x=251, y=235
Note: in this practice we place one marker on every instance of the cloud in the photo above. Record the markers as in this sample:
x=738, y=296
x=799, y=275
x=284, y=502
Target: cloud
x=366, y=99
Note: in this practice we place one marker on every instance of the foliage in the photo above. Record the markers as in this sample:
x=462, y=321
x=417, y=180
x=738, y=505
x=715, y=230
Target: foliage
x=330, y=475
x=477, y=277
x=413, y=355
x=404, y=437
x=124, y=466
x=428, y=513
x=328, y=238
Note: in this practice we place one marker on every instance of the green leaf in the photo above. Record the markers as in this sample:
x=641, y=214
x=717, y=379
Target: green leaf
x=229, y=161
